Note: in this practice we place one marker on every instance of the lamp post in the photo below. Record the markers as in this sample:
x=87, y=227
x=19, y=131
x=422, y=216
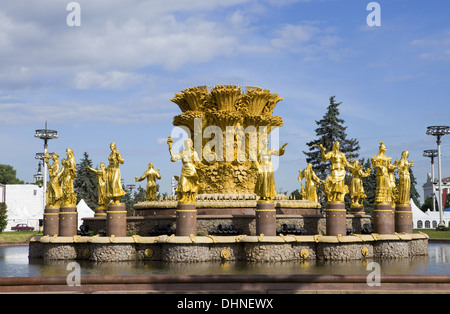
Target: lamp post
x=439, y=131
x=432, y=153
x=45, y=134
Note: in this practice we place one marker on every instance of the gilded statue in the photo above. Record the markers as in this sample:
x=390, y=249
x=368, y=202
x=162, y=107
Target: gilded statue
x=334, y=186
x=102, y=176
x=384, y=171
x=404, y=186
x=69, y=173
x=114, y=190
x=357, y=192
x=265, y=180
x=152, y=175
x=311, y=180
x=188, y=183
x=54, y=191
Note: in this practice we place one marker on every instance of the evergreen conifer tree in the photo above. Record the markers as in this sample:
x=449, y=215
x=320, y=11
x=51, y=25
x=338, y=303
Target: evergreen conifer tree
x=86, y=183
x=330, y=129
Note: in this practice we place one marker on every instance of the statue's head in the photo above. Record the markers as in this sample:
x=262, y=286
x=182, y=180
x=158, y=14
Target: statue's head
x=150, y=165
x=112, y=146
x=405, y=154
x=187, y=144
x=336, y=145
x=382, y=148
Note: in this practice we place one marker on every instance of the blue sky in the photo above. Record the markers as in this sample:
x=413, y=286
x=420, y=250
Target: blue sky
x=111, y=79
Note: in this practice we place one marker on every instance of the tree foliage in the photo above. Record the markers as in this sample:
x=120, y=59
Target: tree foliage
x=8, y=175
x=3, y=217
x=330, y=129
x=86, y=184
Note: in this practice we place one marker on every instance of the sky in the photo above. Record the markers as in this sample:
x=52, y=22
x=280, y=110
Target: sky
x=111, y=78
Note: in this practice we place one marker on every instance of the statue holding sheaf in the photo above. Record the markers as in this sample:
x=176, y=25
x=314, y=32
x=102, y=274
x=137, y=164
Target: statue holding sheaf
x=102, y=176
x=309, y=191
x=188, y=183
x=151, y=175
x=404, y=187
x=54, y=191
x=334, y=186
x=69, y=173
x=357, y=192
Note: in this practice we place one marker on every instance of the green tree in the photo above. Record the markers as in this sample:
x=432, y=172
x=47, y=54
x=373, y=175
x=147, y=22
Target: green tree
x=86, y=184
x=3, y=217
x=330, y=129
x=370, y=186
x=8, y=175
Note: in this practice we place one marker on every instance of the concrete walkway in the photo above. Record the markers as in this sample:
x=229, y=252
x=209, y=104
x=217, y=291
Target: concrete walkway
x=231, y=284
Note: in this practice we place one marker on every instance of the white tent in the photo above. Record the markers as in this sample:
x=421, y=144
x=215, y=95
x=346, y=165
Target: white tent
x=83, y=211
x=428, y=219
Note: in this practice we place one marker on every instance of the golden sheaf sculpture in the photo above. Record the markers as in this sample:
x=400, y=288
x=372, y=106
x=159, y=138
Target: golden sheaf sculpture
x=239, y=114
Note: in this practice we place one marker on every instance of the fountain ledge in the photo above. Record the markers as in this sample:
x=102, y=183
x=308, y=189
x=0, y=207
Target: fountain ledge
x=228, y=248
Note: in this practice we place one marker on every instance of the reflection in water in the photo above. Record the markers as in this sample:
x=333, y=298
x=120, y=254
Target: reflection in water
x=14, y=262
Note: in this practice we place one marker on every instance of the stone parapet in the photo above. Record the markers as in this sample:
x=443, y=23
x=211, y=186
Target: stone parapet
x=232, y=248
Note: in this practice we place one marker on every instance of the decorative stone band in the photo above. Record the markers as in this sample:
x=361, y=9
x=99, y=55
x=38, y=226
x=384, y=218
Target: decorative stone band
x=404, y=211
x=51, y=214
x=265, y=210
x=384, y=210
x=335, y=210
x=67, y=213
x=116, y=212
x=186, y=210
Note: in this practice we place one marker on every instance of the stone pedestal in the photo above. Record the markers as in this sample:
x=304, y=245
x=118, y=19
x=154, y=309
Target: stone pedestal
x=100, y=212
x=51, y=221
x=265, y=215
x=357, y=210
x=403, y=219
x=383, y=219
x=68, y=221
x=186, y=220
x=116, y=220
x=336, y=219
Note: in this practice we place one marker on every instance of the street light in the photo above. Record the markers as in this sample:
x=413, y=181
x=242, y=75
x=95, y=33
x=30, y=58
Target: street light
x=439, y=131
x=432, y=153
x=45, y=134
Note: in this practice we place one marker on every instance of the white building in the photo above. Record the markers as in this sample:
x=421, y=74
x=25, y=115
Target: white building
x=26, y=206
x=2, y=193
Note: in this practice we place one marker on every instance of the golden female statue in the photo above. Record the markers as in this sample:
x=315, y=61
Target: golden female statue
x=405, y=180
x=357, y=192
x=188, y=184
x=334, y=187
x=114, y=189
x=69, y=173
x=311, y=180
x=265, y=180
x=54, y=191
x=382, y=164
x=152, y=175
x=102, y=176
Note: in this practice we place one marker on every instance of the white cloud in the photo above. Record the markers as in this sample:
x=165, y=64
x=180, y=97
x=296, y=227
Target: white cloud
x=306, y=39
x=112, y=80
